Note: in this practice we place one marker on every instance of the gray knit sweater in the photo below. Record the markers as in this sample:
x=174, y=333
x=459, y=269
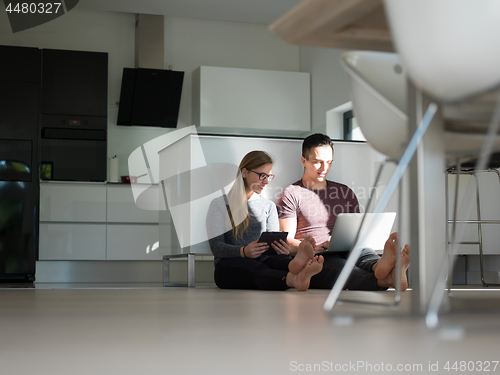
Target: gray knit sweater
x=263, y=217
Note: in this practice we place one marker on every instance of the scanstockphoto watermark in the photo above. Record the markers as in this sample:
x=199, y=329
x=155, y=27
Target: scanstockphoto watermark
x=373, y=367
x=355, y=366
x=26, y=14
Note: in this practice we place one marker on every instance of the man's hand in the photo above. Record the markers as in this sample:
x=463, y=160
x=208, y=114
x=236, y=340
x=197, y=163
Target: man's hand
x=322, y=246
x=290, y=225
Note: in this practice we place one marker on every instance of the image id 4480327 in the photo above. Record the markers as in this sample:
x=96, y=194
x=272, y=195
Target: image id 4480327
x=26, y=14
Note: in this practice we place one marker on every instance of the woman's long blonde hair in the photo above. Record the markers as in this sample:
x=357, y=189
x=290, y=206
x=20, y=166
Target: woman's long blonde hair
x=237, y=209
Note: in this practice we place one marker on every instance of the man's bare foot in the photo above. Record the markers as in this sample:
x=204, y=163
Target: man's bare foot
x=388, y=259
x=302, y=280
x=405, y=263
x=305, y=252
x=390, y=280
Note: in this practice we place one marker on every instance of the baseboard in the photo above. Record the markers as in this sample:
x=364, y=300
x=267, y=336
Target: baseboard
x=119, y=271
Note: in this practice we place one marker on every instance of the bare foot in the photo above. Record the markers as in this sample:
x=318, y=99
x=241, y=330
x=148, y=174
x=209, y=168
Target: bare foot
x=405, y=263
x=301, y=280
x=304, y=253
x=390, y=280
x=388, y=259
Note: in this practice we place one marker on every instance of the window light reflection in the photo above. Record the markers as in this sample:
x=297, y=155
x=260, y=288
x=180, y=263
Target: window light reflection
x=150, y=248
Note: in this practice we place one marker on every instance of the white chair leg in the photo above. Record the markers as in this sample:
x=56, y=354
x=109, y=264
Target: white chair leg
x=381, y=205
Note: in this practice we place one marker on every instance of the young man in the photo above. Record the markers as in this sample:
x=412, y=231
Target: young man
x=309, y=207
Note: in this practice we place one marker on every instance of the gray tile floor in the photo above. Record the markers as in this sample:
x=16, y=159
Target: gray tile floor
x=147, y=329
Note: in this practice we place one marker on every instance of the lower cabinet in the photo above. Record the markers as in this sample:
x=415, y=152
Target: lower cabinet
x=72, y=241
x=116, y=230
x=132, y=242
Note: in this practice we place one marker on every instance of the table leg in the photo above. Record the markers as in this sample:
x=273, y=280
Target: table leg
x=427, y=204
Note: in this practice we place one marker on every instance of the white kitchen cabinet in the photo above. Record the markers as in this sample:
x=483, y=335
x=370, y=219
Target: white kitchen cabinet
x=72, y=221
x=95, y=222
x=167, y=235
x=72, y=202
x=132, y=242
x=72, y=241
x=121, y=207
x=138, y=237
x=251, y=100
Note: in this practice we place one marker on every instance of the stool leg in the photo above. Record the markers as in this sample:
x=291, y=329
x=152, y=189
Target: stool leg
x=191, y=273
x=479, y=230
x=447, y=218
x=166, y=272
x=454, y=226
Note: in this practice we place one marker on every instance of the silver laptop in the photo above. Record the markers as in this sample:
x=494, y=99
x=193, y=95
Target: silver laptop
x=375, y=232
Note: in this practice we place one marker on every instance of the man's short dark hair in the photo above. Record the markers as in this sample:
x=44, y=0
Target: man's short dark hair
x=315, y=140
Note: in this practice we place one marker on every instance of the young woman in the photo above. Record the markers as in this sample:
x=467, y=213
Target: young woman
x=234, y=224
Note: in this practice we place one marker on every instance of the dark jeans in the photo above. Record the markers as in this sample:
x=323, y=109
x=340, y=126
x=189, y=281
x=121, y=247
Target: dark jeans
x=268, y=273
x=361, y=278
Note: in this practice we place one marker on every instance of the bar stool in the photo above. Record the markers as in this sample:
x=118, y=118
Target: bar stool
x=467, y=169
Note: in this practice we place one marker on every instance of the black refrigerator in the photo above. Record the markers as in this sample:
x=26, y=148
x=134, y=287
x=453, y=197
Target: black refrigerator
x=19, y=162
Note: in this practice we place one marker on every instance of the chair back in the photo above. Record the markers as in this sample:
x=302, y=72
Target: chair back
x=378, y=91
x=379, y=97
x=448, y=47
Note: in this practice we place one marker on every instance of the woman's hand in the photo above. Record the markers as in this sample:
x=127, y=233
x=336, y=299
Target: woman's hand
x=281, y=247
x=254, y=249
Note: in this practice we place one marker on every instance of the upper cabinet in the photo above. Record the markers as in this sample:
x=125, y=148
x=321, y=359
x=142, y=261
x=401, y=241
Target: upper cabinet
x=19, y=95
x=75, y=83
x=19, y=64
x=251, y=101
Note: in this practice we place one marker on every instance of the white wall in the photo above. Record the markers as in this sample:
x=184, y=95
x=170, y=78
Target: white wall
x=190, y=43
x=329, y=82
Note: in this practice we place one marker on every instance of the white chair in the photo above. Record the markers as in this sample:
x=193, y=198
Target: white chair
x=380, y=101
x=379, y=95
x=446, y=49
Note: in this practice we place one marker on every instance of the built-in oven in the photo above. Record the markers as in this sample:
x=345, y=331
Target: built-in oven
x=73, y=115
x=73, y=149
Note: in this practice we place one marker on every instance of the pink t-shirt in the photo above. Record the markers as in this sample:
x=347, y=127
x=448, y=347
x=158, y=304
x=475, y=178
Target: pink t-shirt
x=316, y=210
